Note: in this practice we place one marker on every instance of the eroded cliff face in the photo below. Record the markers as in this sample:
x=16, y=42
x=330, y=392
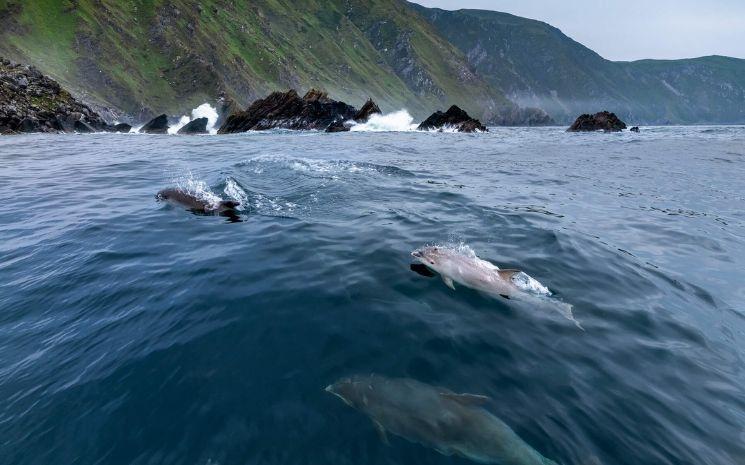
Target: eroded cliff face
x=147, y=58
x=536, y=65
x=31, y=102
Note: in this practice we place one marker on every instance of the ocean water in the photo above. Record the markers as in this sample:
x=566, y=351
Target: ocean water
x=133, y=332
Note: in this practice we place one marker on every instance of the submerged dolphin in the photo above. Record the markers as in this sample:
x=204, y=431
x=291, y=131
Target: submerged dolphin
x=197, y=204
x=452, y=424
x=471, y=271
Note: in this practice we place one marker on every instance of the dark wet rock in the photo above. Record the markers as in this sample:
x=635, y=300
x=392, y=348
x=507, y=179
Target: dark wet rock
x=368, y=109
x=339, y=126
x=198, y=126
x=157, y=125
x=634, y=129
x=603, y=121
x=83, y=128
x=28, y=125
x=455, y=119
x=287, y=110
x=122, y=127
x=32, y=102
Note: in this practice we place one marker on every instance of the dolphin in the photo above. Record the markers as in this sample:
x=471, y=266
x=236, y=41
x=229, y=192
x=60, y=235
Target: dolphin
x=452, y=424
x=196, y=204
x=471, y=271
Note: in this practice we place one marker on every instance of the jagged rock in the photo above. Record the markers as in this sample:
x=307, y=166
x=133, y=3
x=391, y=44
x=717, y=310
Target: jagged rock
x=286, y=110
x=157, y=125
x=83, y=128
x=198, y=126
x=634, y=129
x=28, y=125
x=368, y=109
x=603, y=121
x=338, y=126
x=122, y=127
x=31, y=102
x=454, y=118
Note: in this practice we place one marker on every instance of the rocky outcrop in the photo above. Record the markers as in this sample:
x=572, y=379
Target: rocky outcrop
x=32, y=102
x=197, y=126
x=157, y=125
x=454, y=119
x=368, y=109
x=634, y=129
x=603, y=121
x=339, y=126
x=287, y=110
x=122, y=127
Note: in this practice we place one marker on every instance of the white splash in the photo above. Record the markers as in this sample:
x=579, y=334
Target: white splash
x=399, y=121
x=198, y=188
x=204, y=110
x=234, y=191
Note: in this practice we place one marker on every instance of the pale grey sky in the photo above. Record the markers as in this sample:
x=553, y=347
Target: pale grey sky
x=634, y=29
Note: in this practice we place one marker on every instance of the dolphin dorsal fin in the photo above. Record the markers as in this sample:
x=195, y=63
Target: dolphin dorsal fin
x=466, y=399
x=507, y=274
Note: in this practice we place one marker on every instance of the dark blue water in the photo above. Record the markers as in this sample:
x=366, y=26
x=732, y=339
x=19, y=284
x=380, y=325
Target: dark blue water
x=132, y=332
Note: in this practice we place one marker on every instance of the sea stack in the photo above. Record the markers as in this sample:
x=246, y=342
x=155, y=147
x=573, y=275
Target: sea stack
x=603, y=121
x=287, y=110
x=455, y=119
x=157, y=125
x=197, y=126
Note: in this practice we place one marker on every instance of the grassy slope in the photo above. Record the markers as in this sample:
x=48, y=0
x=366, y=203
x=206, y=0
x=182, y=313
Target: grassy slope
x=536, y=64
x=146, y=56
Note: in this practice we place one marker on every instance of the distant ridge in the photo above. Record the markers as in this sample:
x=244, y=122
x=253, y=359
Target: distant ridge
x=145, y=58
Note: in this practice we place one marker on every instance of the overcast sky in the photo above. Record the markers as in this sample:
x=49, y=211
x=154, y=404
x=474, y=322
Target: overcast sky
x=634, y=29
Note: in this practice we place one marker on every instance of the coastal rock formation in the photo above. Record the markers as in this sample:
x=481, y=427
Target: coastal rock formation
x=368, y=109
x=339, y=126
x=122, y=127
x=32, y=102
x=634, y=129
x=603, y=121
x=455, y=119
x=197, y=126
x=286, y=110
x=157, y=125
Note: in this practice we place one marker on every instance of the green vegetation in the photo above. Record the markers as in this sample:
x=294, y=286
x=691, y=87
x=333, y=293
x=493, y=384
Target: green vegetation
x=152, y=56
x=536, y=65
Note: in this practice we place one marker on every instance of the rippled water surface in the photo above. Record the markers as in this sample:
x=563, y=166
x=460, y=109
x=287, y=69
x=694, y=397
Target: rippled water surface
x=133, y=332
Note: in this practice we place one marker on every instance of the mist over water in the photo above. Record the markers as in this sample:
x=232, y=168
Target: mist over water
x=134, y=332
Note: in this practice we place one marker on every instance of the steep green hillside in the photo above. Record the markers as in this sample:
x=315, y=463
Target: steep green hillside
x=151, y=56
x=535, y=64
x=146, y=56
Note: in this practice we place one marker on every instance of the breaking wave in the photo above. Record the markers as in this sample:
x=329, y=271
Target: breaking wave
x=204, y=110
x=399, y=121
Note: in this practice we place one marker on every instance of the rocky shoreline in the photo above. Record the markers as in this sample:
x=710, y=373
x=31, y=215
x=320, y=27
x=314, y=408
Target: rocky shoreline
x=31, y=102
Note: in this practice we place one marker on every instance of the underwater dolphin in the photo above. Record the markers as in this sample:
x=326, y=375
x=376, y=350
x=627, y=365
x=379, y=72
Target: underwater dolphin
x=475, y=273
x=196, y=204
x=452, y=424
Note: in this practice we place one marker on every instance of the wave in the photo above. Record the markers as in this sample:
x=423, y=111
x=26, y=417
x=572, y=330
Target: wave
x=204, y=110
x=399, y=121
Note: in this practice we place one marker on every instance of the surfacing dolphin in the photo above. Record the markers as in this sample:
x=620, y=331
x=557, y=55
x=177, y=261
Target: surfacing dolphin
x=452, y=424
x=196, y=204
x=467, y=269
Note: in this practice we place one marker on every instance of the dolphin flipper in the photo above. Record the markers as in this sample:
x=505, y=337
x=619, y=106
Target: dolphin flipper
x=449, y=282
